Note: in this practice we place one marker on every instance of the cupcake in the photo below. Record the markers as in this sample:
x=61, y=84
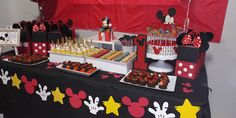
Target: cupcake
x=142, y=81
x=152, y=83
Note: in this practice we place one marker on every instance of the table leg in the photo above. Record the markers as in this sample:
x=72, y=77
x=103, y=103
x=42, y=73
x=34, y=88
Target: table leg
x=100, y=45
x=16, y=50
x=113, y=46
x=1, y=51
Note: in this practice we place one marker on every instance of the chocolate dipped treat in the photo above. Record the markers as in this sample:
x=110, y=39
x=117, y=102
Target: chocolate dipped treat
x=164, y=80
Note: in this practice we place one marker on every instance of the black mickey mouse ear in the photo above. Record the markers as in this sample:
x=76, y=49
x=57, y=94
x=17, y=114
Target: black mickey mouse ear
x=60, y=22
x=54, y=27
x=179, y=38
x=204, y=46
x=65, y=30
x=23, y=24
x=171, y=12
x=29, y=26
x=33, y=22
x=203, y=36
x=16, y=26
x=209, y=35
x=47, y=26
x=160, y=15
x=70, y=22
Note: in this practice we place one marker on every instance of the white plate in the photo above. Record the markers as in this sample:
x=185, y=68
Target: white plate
x=76, y=72
x=170, y=87
x=6, y=59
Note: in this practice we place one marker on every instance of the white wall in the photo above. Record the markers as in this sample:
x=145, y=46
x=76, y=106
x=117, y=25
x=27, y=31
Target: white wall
x=220, y=62
x=221, y=68
x=12, y=11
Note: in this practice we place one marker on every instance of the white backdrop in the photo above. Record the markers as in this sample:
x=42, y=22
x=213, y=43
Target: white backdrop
x=220, y=61
x=12, y=11
x=221, y=67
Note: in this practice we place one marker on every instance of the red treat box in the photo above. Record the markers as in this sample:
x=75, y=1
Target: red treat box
x=106, y=35
x=189, y=62
x=53, y=37
x=40, y=48
x=25, y=45
x=39, y=43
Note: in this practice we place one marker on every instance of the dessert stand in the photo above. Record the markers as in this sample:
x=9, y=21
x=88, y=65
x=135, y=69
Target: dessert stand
x=161, y=65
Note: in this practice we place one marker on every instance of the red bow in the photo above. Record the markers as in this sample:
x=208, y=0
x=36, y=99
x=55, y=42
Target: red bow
x=35, y=28
x=192, y=40
x=41, y=27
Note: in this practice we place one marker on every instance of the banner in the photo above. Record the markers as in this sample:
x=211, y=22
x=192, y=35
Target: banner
x=134, y=16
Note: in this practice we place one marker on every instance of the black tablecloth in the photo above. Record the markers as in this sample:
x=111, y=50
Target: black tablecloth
x=20, y=104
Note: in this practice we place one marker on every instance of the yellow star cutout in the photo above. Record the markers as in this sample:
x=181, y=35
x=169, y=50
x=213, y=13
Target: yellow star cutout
x=187, y=110
x=58, y=96
x=112, y=106
x=16, y=81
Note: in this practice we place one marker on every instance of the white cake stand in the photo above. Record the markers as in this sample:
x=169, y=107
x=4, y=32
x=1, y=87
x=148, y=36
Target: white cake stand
x=161, y=65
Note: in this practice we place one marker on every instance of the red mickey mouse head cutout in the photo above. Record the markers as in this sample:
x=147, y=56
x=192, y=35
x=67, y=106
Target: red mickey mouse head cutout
x=75, y=99
x=157, y=50
x=136, y=109
x=29, y=85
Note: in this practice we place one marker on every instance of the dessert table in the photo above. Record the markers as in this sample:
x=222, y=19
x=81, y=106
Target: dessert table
x=71, y=93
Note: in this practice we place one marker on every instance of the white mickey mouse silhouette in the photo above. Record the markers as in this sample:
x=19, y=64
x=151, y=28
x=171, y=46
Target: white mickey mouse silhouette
x=93, y=106
x=161, y=113
x=43, y=92
x=4, y=77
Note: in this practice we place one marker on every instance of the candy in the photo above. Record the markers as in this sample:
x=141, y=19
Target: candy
x=114, y=55
x=119, y=58
x=127, y=58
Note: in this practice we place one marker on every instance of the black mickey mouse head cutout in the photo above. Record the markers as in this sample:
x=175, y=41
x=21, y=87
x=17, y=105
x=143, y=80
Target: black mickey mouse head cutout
x=16, y=26
x=54, y=28
x=140, y=42
x=47, y=26
x=66, y=28
x=206, y=37
x=199, y=40
x=167, y=19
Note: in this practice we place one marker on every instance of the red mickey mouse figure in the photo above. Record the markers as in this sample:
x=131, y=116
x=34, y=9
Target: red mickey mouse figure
x=75, y=99
x=29, y=85
x=136, y=109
